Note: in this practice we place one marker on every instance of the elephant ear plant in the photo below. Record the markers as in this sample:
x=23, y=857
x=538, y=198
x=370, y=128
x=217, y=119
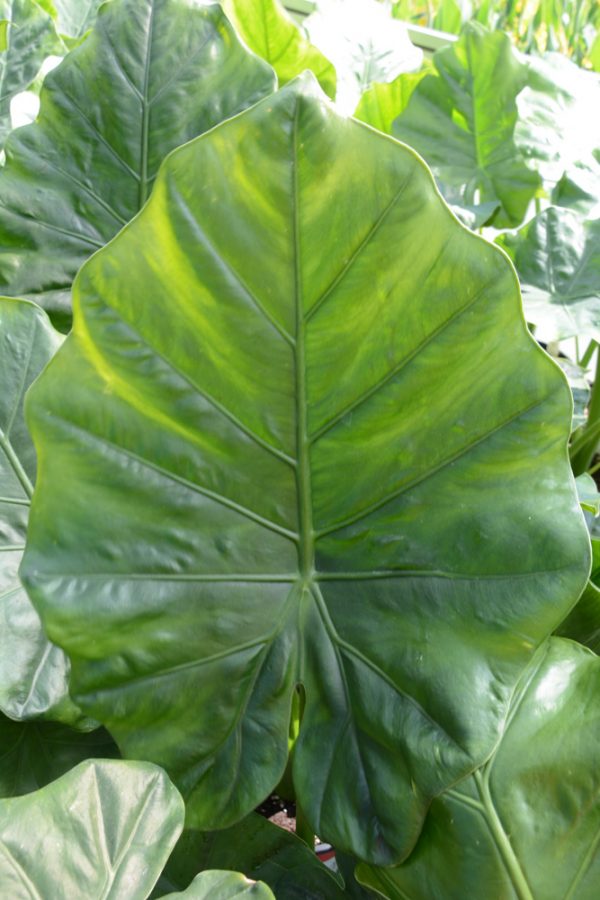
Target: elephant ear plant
x=289, y=467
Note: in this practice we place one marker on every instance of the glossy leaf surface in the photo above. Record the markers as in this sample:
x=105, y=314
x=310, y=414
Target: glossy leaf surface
x=462, y=122
x=526, y=825
x=262, y=851
x=152, y=75
x=33, y=672
x=32, y=754
x=103, y=830
x=242, y=497
x=223, y=886
x=557, y=257
x=29, y=38
x=272, y=34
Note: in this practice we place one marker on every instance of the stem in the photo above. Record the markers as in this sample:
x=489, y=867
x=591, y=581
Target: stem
x=587, y=356
x=594, y=469
x=583, y=448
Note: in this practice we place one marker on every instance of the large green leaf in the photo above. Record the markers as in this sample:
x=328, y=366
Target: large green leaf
x=259, y=849
x=152, y=74
x=245, y=497
x=365, y=44
x=270, y=32
x=462, y=122
x=32, y=754
x=558, y=127
x=29, y=37
x=33, y=672
x=526, y=825
x=223, y=886
x=103, y=830
x=557, y=257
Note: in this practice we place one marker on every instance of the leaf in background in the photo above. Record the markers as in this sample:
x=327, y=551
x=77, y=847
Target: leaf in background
x=579, y=188
x=269, y=31
x=558, y=127
x=103, y=830
x=557, y=257
x=224, y=886
x=152, y=74
x=75, y=17
x=33, y=672
x=244, y=497
x=259, y=849
x=451, y=15
x=383, y=102
x=365, y=45
x=583, y=622
x=587, y=492
x=462, y=122
x=32, y=754
x=29, y=37
x=526, y=825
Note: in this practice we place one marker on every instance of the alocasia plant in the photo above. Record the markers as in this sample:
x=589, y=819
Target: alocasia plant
x=557, y=257
x=33, y=672
x=462, y=121
x=234, y=523
x=152, y=75
x=526, y=826
x=217, y=885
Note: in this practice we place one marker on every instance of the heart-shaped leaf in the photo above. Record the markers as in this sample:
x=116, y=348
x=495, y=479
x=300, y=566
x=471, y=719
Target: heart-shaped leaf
x=217, y=885
x=462, y=121
x=32, y=754
x=557, y=256
x=245, y=497
x=152, y=75
x=526, y=825
x=103, y=830
x=33, y=672
x=269, y=31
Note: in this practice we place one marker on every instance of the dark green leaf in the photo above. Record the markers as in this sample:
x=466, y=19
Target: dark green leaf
x=244, y=497
x=262, y=851
x=526, y=825
x=32, y=754
x=103, y=830
x=152, y=74
x=583, y=622
x=269, y=31
x=462, y=122
x=557, y=257
x=33, y=672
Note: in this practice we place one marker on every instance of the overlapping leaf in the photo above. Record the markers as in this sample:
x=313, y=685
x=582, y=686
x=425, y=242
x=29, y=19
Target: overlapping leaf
x=29, y=38
x=259, y=849
x=462, y=122
x=103, y=830
x=32, y=754
x=269, y=31
x=244, y=496
x=583, y=622
x=526, y=825
x=33, y=672
x=152, y=75
x=75, y=17
x=557, y=257
x=383, y=102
